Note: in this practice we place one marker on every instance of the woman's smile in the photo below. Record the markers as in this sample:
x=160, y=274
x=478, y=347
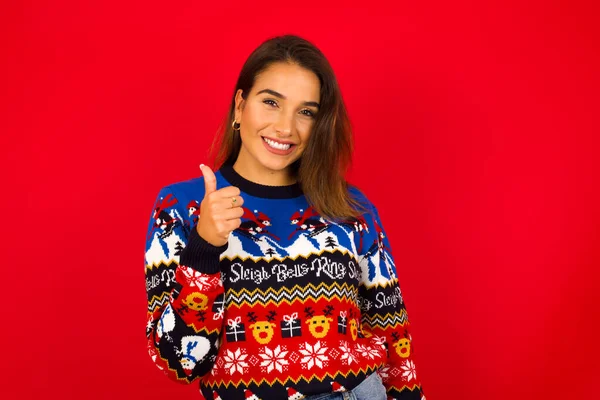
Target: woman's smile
x=279, y=147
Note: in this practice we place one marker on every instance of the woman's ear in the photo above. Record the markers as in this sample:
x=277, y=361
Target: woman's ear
x=239, y=104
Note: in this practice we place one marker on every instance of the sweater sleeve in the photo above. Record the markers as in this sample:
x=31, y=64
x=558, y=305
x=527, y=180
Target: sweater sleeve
x=383, y=312
x=184, y=291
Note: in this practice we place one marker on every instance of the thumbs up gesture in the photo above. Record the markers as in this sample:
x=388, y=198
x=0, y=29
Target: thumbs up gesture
x=220, y=210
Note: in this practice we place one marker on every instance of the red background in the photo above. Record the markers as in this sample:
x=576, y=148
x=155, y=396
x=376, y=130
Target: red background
x=477, y=137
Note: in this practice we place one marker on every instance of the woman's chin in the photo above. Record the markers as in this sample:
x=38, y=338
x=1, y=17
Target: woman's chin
x=276, y=166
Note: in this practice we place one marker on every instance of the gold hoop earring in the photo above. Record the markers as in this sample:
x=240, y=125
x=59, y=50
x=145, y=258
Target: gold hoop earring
x=234, y=127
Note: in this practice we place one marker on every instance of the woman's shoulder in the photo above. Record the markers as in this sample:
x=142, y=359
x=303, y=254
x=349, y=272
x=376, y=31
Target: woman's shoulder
x=360, y=196
x=190, y=189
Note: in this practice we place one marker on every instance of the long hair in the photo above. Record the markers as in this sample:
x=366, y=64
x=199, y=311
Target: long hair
x=321, y=169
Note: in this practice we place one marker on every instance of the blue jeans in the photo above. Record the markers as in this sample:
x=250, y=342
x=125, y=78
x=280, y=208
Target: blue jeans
x=370, y=389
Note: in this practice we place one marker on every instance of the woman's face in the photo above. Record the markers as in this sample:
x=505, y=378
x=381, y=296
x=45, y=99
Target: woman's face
x=277, y=117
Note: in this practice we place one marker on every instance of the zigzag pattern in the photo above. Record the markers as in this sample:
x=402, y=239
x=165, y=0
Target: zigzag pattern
x=296, y=293
x=173, y=372
x=162, y=264
x=158, y=301
x=387, y=320
x=365, y=370
x=390, y=282
x=206, y=331
x=411, y=388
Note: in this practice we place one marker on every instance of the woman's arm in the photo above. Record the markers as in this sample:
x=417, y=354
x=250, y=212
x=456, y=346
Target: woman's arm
x=384, y=311
x=185, y=293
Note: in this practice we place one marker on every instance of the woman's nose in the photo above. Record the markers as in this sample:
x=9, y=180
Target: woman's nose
x=284, y=126
x=282, y=132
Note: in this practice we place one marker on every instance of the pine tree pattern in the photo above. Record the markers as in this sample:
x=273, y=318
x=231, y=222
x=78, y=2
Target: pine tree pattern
x=330, y=242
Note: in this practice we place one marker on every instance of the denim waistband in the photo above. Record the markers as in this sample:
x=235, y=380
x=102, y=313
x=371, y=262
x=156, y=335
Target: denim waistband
x=369, y=389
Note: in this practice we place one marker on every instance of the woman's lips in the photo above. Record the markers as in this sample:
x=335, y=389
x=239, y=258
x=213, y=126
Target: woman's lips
x=279, y=148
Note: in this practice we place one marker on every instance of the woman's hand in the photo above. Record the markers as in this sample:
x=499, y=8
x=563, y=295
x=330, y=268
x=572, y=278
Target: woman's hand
x=220, y=210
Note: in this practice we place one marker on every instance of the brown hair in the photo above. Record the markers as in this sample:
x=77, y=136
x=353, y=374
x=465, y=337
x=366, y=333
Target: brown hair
x=321, y=169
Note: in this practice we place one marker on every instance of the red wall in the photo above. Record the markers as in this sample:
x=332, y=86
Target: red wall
x=477, y=138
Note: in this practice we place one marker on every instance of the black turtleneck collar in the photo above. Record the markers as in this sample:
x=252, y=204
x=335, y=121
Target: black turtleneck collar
x=258, y=190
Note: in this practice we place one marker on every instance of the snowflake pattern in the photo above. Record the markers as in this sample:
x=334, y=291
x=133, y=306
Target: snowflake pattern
x=273, y=359
x=408, y=370
x=313, y=355
x=197, y=279
x=384, y=372
x=348, y=354
x=379, y=341
x=235, y=361
x=367, y=351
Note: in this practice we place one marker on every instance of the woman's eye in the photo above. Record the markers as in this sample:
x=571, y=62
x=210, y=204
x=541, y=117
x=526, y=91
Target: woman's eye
x=308, y=113
x=270, y=102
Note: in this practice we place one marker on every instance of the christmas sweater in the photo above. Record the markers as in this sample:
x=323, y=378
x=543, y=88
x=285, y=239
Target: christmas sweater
x=293, y=305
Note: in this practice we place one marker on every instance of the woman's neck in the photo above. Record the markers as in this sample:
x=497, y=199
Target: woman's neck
x=263, y=176
x=257, y=189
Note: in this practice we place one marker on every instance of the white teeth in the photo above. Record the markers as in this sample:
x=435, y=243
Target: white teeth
x=278, y=146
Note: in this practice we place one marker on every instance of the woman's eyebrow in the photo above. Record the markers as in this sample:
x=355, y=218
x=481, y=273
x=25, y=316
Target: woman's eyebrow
x=279, y=95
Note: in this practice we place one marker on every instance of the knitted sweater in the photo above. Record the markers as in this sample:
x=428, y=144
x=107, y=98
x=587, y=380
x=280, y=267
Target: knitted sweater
x=293, y=305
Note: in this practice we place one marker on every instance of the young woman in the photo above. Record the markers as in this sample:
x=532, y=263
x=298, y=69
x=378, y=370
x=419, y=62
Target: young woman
x=272, y=278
